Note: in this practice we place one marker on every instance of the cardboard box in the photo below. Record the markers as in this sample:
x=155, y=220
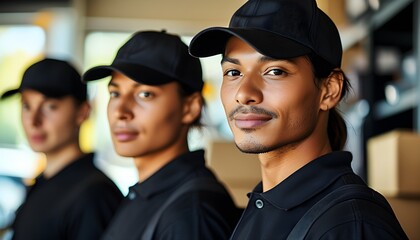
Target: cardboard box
x=407, y=211
x=240, y=172
x=393, y=163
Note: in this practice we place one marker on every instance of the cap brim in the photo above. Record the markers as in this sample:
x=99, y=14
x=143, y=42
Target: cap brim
x=212, y=41
x=97, y=73
x=9, y=93
x=47, y=91
x=136, y=72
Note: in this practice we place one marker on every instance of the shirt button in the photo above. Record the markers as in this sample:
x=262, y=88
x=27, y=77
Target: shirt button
x=131, y=195
x=259, y=203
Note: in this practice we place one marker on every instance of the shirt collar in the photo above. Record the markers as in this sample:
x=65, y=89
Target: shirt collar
x=169, y=175
x=308, y=180
x=72, y=169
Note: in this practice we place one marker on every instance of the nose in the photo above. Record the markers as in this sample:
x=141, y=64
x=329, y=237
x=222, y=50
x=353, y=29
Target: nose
x=249, y=91
x=35, y=117
x=122, y=108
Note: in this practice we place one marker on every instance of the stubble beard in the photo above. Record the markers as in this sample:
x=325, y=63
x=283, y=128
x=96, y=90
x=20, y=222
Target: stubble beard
x=254, y=146
x=257, y=148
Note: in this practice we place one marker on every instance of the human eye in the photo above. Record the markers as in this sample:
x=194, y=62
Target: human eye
x=49, y=106
x=276, y=72
x=113, y=94
x=113, y=91
x=231, y=73
x=145, y=95
x=25, y=106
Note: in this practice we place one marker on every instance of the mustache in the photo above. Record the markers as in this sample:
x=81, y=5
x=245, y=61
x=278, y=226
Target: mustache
x=250, y=109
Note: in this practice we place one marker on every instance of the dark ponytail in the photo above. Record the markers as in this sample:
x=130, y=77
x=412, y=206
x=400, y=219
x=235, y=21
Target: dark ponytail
x=337, y=129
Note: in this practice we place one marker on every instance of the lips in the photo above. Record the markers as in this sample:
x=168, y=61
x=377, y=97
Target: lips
x=250, y=120
x=125, y=135
x=37, y=138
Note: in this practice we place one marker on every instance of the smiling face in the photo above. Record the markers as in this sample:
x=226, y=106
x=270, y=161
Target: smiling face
x=270, y=104
x=147, y=120
x=51, y=124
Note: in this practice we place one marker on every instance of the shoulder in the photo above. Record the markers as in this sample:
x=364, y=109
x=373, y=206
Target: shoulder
x=91, y=179
x=203, y=196
x=92, y=186
x=203, y=213
x=94, y=201
x=98, y=187
x=368, y=217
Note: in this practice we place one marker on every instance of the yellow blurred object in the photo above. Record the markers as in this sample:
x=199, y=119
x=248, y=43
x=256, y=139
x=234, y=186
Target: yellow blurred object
x=86, y=135
x=42, y=163
x=43, y=19
x=209, y=91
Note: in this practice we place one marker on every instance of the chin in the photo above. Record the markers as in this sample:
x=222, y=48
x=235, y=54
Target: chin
x=125, y=153
x=37, y=148
x=253, y=148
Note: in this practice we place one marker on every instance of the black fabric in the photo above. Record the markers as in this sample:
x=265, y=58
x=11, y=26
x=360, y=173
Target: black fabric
x=280, y=29
x=274, y=213
x=54, y=78
x=195, y=184
x=154, y=58
x=77, y=204
x=337, y=208
x=196, y=215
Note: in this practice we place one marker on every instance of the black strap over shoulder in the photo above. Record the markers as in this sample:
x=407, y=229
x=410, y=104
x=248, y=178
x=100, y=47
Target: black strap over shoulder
x=196, y=184
x=341, y=194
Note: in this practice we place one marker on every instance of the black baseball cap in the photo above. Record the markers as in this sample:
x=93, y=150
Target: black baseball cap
x=154, y=58
x=281, y=29
x=52, y=77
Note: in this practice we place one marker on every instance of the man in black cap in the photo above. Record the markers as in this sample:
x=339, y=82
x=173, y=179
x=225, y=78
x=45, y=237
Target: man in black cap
x=281, y=85
x=155, y=98
x=71, y=199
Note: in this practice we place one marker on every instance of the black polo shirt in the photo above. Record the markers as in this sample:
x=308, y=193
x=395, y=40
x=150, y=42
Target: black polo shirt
x=195, y=215
x=273, y=214
x=76, y=203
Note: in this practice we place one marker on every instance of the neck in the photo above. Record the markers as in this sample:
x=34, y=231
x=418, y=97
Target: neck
x=57, y=160
x=279, y=164
x=149, y=164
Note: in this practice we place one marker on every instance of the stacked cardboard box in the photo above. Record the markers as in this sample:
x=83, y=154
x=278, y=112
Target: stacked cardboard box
x=394, y=170
x=240, y=172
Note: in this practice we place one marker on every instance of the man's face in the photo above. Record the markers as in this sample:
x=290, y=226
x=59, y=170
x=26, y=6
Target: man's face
x=270, y=104
x=50, y=124
x=144, y=120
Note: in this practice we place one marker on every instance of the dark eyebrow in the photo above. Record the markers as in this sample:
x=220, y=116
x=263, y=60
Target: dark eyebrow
x=231, y=60
x=114, y=84
x=268, y=59
x=111, y=83
x=262, y=59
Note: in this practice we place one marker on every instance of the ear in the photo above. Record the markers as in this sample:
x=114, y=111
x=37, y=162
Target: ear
x=331, y=90
x=192, y=108
x=83, y=112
